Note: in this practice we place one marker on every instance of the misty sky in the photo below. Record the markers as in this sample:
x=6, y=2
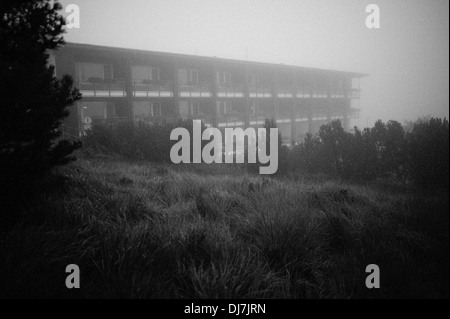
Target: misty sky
x=407, y=58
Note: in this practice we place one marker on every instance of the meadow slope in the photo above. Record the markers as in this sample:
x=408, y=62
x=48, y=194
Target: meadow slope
x=142, y=230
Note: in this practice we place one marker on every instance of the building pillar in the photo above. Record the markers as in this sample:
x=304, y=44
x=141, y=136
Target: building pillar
x=329, y=100
x=129, y=89
x=347, y=105
x=214, y=96
x=311, y=111
x=246, y=98
x=294, y=106
x=274, y=92
x=175, y=89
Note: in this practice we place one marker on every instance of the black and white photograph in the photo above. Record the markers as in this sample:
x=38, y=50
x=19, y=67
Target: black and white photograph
x=224, y=154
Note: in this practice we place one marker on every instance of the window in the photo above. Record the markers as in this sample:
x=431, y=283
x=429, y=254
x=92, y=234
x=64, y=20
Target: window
x=226, y=78
x=121, y=109
x=144, y=74
x=285, y=110
x=110, y=110
x=193, y=77
x=223, y=78
x=155, y=74
x=304, y=83
x=108, y=71
x=321, y=85
x=189, y=108
x=228, y=107
x=224, y=107
x=92, y=110
x=93, y=72
x=254, y=107
x=218, y=78
x=253, y=80
x=140, y=74
x=156, y=109
x=146, y=109
x=141, y=110
x=188, y=77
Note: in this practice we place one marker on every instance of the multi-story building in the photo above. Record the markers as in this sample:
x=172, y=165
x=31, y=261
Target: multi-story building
x=154, y=87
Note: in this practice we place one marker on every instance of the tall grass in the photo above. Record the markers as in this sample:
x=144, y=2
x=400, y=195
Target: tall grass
x=139, y=230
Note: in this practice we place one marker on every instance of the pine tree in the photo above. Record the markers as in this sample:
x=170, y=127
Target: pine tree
x=33, y=102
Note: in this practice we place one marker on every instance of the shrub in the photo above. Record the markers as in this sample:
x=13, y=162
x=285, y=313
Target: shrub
x=428, y=150
x=383, y=151
x=139, y=142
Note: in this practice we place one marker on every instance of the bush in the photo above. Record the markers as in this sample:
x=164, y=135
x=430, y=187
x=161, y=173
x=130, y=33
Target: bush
x=428, y=150
x=383, y=151
x=139, y=142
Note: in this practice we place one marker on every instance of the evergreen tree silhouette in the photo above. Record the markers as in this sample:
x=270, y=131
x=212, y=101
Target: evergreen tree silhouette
x=33, y=102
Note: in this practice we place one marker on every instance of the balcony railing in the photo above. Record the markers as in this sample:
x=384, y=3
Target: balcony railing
x=156, y=120
x=231, y=119
x=304, y=92
x=319, y=93
x=207, y=119
x=260, y=92
x=112, y=122
x=354, y=113
x=235, y=91
x=339, y=94
x=148, y=88
x=285, y=93
x=202, y=89
x=260, y=118
x=354, y=94
x=98, y=87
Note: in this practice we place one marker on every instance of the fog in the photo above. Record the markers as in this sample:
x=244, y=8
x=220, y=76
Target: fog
x=407, y=58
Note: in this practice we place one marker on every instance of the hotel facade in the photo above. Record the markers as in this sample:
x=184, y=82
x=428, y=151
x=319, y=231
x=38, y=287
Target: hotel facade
x=124, y=85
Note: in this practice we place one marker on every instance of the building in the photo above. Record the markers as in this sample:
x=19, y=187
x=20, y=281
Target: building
x=155, y=87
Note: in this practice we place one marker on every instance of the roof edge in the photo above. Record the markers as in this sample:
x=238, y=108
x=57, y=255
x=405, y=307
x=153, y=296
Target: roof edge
x=181, y=55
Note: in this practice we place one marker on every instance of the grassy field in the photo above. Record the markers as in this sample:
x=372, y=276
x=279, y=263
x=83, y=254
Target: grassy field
x=142, y=230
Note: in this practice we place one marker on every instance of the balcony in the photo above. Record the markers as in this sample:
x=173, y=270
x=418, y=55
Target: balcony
x=110, y=122
x=98, y=87
x=319, y=93
x=283, y=120
x=258, y=92
x=354, y=113
x=148, y=88
x=207, y=119
x=320, y=113
x=231, y=119
x=199, y=90
x=354, y=94
x=304, y=93
x=339, y=94
x=224, y=91
x=301, y=118
x=155, y=120
x=285, y=93
x=259, y=118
